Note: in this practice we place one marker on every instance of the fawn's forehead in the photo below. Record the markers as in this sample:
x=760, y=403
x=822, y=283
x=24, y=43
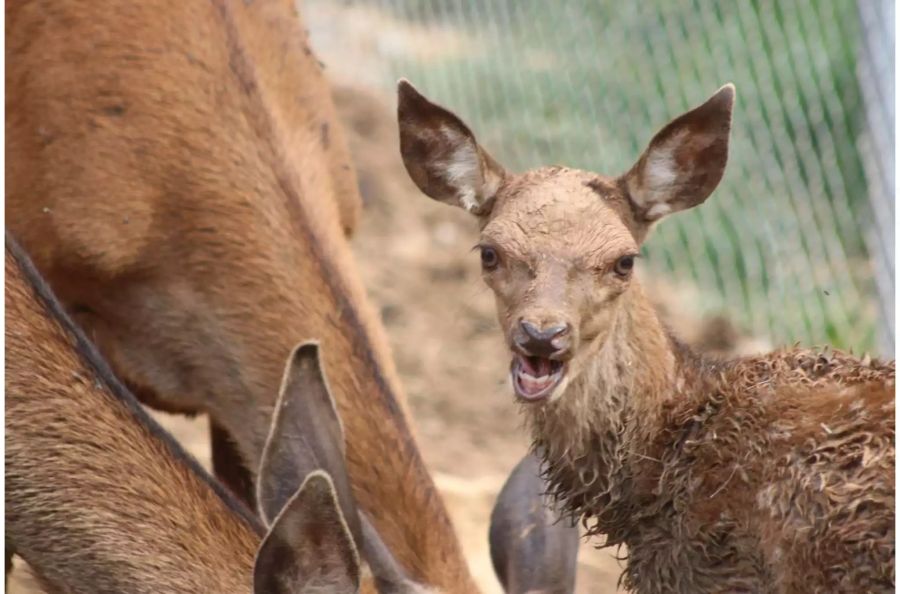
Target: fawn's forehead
x=564, y=211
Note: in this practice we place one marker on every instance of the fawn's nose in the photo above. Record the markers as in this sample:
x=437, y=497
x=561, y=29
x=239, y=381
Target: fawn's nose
x=549, y=341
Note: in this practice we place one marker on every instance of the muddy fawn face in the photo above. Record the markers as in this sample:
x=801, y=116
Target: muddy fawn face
x=558, y=245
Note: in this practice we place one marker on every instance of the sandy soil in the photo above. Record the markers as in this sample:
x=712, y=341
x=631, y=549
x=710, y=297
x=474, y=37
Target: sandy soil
x=415, y=257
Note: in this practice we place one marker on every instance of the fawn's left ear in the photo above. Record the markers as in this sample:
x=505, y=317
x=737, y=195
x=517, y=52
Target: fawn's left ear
x=442, y=156
x=684, y=162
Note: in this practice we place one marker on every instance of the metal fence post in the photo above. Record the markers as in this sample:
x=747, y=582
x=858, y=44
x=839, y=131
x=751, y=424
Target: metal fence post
x=876, y=75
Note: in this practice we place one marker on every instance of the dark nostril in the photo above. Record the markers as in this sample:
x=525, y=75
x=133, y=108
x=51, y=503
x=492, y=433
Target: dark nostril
x=540, y=341
x=545, y=334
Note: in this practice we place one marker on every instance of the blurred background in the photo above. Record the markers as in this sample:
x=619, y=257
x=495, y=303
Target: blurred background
x=797, y=244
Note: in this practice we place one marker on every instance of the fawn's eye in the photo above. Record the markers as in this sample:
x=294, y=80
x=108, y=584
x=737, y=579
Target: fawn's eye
x=489, y=257
x=623, y=266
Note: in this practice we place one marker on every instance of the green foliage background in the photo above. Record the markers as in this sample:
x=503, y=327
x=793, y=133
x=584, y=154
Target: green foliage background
x=780, y=245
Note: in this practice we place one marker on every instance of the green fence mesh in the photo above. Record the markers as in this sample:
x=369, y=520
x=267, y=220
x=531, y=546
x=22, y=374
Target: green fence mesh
x=797, y=243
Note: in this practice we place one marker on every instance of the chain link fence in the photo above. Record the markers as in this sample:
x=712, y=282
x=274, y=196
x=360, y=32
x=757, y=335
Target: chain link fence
x=797, y=244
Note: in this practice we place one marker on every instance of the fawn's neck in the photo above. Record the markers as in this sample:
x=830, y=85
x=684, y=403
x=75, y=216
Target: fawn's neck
x=595, y=436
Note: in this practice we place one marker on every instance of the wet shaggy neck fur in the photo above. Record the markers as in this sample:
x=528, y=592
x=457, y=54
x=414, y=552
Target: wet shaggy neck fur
x=770, y=473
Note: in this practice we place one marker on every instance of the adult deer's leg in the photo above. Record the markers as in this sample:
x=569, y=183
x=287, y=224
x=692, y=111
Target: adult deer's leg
x=9, y=555
x=228, y=466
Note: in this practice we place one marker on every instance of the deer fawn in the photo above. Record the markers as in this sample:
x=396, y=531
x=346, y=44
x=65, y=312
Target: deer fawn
x=178, y=174
x=770, y=473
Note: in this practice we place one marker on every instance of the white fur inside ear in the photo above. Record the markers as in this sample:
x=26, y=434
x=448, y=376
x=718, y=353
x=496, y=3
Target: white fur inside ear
x=660, y=169
x=468, y=201
x=656, y=179
x=462, y=169
x=658, y=210
x=462, y=172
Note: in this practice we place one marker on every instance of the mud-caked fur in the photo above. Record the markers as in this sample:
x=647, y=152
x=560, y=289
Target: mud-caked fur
x=763, y=474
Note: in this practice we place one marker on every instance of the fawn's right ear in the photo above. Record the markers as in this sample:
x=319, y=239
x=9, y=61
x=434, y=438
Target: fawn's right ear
x=309, y=548
x=442, y=156
x=533, y=549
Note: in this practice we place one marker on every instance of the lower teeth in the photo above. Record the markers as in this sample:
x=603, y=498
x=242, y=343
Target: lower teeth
x=534, y=383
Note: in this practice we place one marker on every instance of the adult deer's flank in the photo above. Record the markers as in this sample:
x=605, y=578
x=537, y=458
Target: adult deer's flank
x=178, y=174
x=770, y=473
x=99, y=498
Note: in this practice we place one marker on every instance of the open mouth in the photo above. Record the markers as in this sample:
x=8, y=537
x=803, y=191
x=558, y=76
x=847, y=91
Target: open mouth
x=534, y=378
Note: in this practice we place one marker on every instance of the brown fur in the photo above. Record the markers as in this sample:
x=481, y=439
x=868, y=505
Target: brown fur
x=768, y=473
x=168, y=170
x=771, y=473
x=99, y=498
x=95, y=501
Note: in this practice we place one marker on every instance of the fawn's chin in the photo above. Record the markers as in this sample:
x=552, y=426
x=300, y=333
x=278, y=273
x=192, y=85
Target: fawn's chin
x=535, y=379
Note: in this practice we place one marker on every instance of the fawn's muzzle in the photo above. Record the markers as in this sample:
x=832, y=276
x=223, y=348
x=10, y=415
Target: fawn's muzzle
x=549, y=342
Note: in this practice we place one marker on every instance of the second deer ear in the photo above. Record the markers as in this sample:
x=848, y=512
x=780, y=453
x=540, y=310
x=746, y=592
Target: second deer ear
x=306, y=435
x=309, y=548
x=685, y=160
x=442, y=156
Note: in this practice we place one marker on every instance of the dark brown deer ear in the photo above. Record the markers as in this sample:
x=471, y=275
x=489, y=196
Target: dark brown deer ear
x=442, y=156
x=533, y=549
x=306, y=435
x=308, y=548
x=685, y=160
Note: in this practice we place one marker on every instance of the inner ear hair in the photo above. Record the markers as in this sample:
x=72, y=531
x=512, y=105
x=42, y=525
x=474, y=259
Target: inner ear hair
x=684, y=161
x=442, y=156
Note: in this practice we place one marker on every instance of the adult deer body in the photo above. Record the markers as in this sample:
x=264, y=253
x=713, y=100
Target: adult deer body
x=100, y=499
x=769, y=473
x=177, y=172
